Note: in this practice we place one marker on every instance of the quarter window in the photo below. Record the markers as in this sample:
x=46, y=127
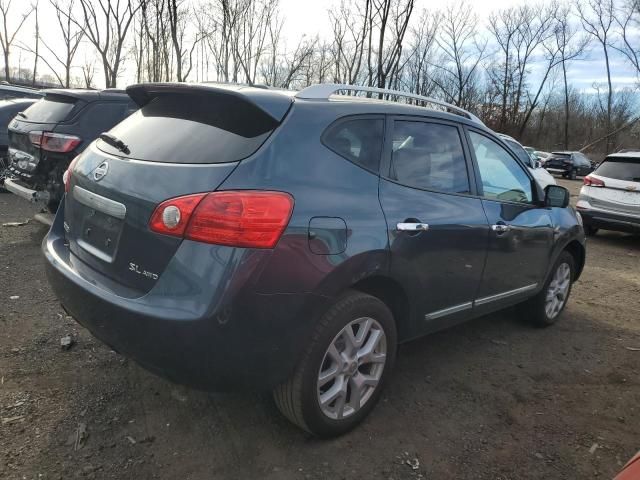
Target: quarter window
x=429, y=156
x=358, y=140
x=502, y=177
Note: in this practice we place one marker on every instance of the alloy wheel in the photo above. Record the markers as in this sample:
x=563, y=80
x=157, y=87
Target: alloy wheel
x=351, y=368
x=558, y=291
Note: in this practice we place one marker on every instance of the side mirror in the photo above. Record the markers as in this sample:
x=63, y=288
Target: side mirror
x=556, y=196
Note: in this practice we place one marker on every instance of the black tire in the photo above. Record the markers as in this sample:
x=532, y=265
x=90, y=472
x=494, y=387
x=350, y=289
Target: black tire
x=534, y=309
x=297, y=398
x=590, y=230
x=573, y=174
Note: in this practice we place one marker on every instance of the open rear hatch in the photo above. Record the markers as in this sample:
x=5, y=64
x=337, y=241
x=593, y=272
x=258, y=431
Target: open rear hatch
x=183, y=140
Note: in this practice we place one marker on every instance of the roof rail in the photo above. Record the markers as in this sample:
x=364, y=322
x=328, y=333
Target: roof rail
x=324, y=90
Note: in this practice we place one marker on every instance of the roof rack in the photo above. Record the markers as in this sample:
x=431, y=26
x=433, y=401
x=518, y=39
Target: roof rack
x=325, y=90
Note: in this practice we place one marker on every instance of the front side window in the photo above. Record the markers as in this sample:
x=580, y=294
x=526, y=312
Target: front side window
x=359, y=140
x=502, y=177
x=429, y=156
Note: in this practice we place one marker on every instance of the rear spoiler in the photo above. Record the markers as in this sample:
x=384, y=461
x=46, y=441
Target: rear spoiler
x=274, y=103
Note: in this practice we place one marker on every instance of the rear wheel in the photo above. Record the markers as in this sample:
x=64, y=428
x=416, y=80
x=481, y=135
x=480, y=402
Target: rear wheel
x=340, y=378
x=545, y=308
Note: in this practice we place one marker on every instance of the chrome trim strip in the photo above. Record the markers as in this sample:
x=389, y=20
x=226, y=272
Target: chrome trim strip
x=99, y=203
x=95, y=252
x=508, y=293
x=448, y=311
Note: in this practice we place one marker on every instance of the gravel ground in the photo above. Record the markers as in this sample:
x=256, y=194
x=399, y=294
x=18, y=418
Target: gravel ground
x=492, y=399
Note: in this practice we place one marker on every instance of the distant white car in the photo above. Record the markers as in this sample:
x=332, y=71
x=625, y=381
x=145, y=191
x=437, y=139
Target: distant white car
x=610, y=196
x=543, y=177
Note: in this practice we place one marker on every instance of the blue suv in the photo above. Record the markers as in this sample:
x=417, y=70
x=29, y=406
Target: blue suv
x=232, y=237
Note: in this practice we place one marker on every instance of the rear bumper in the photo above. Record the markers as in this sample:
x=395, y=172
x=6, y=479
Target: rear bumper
x=608, y=220
x=24, y=192
x=237, y=339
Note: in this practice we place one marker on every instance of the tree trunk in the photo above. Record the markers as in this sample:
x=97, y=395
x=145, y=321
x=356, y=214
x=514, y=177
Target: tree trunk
x=609, y=98
x=566, y=106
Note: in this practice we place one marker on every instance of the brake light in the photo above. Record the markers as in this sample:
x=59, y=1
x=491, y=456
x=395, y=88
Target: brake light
x=54, y=142
x=66, y=176
x=247, y=218
x=593, y=182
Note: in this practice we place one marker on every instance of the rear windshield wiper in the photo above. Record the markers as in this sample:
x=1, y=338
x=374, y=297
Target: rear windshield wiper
x=114, y=142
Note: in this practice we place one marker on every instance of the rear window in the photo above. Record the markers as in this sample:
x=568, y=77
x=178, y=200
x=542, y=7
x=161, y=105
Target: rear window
x=191, y=128
x=561, y=155
x=52, y=109
x=620, y=169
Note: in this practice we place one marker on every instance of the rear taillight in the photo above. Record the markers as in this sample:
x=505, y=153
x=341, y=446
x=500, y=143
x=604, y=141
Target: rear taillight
x=66, y=176
x=247, y=218
x=593, y=182
x=54, y=142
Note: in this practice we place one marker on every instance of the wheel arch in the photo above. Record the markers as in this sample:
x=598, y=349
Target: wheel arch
x=393, y=295
x=578, y=252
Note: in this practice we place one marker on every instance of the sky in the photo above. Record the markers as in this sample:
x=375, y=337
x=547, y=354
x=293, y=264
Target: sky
x=305, y=17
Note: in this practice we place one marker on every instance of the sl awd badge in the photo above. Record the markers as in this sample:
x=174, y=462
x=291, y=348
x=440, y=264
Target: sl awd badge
x=100, y=171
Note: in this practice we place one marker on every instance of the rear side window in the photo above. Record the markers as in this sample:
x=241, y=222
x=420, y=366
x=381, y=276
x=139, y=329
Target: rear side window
x=52, y=109
x=620, y=169
x=429, y=156
x=100, y=117
x=359, y=140
x=190, y=128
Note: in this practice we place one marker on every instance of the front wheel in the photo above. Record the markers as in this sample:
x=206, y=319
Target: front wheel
x=545, y=308
x=341, y=376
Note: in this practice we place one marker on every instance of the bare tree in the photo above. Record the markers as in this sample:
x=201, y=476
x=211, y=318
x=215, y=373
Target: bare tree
x=421, y=55
x=569, y=47
x=37, y=46
x=598, y=17
x=7, y=37
x=88, y=72
x=628, y=20
x=178, y=14
x=388, y=22
x=462, y=51
x=350, y=32
x=106, y=24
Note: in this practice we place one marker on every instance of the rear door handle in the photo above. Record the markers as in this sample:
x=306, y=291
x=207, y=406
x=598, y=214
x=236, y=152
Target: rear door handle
x=412, y=227
x=500, y=228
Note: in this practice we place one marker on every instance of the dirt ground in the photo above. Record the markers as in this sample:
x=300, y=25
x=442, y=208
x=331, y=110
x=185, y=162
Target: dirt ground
x=492, y=399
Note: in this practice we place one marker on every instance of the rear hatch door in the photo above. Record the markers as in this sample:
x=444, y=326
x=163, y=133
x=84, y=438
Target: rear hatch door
x=42, y=116
x=621, y=191
x=183, y=140
x=557, y=161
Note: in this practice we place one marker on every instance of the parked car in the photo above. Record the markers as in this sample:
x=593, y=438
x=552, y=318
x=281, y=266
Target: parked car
x=610, y=196
x=542, y=157
x=543, y=177
x=569, y=164
x=49, y=134
x=233, y=237
x=8, y=110
x=9, y=91
x=532, y=152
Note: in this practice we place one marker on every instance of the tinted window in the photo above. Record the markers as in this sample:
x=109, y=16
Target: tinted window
x=100, y=117
x=620, y=169
x=502, y=177
x=51, y=109
x=189, y=128
x=358, y=140
x=429, y=156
